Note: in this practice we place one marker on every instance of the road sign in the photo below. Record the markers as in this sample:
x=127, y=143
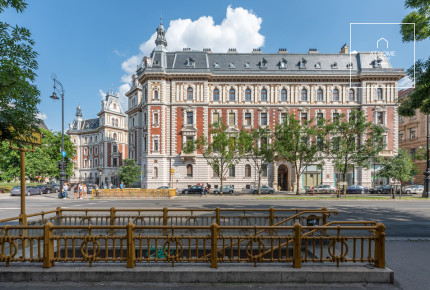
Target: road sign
x=63, y=153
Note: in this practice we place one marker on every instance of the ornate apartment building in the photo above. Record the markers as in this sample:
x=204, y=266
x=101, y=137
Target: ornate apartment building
x=101, y=143
x=176, y=95
x=412, y=136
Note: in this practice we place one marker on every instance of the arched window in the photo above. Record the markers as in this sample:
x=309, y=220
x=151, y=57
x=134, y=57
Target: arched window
x=248, y=95
x=216, y=95
x=379, y=94
x=232, y=95
x=264, y=95
x=304, y=95
x=351, y=95
x=335, y=95
x=190, y=94
x=189, y=170
x=156, y=95
x=114, y=106
x=247, y=170
x=115, y=136
x=232, y=171
x=284, y=95
x=155, y=172
x=319, y=95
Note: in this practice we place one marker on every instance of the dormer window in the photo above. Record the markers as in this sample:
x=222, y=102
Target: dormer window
x=189, y=62
x=302, y=63
x=232, y=65
x=283, y=64
x=263, y=63
x=247, y=65
x=318, y=65
x=334, y=65
x=350, y=65
x=216, y=65
x=377, y=62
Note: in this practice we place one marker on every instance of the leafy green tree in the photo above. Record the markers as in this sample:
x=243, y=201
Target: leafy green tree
x=400, y=168
x=18, y=95
x=220, y=151
x=354, y=142
x=129, y=172
x=41, y=162
x=255, y=146
x=301, y=143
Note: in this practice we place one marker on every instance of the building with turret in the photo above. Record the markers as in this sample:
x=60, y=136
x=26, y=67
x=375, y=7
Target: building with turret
x=101, y=143
x=175, y=95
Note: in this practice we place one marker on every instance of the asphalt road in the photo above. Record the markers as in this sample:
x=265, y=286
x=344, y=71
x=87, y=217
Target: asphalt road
x=407, y=222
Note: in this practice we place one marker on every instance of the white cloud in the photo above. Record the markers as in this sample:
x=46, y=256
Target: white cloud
x=102, y=94
x=406, y=82
x=121, y=95
x=41, y=116
x=239, y=29
x=118, y=53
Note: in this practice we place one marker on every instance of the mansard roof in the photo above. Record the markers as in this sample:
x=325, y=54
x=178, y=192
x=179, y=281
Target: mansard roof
x=193, y=61
x=85, y=125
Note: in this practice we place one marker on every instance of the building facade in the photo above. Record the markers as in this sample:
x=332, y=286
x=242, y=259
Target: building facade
x=176, y=95
x=101, y=143
x=413, y=136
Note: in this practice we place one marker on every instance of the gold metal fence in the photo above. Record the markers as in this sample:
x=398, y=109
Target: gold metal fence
x=346, y=242
x=133, y=193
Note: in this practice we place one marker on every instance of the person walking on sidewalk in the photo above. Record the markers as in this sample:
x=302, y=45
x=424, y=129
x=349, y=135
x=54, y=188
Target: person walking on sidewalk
x=85, y=190
x=76, y=190
x=81, y=190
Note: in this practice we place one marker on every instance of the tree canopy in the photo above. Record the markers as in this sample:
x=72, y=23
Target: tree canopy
x=129, y=172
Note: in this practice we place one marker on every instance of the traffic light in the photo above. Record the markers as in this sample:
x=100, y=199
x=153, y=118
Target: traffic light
x=59, y=164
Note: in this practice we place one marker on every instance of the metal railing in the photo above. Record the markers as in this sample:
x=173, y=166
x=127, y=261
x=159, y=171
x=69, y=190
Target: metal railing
x=131, y=244
x=133, y=192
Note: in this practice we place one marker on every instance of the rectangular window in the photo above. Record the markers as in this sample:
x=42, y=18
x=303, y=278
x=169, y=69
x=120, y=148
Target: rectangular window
x=303, y=118
x=412, y=133
x=400, y=119
x=115, y=162
x=155, y=145
x=231, y=119
x=335, y=116
x=401, y=136
x=380, y=118
x=114, y=148
x=215, y=118
x=190, y=118
x=156, y=119
x=232, y=171
x=412, y=152
x=263, y=119
x=248, y=119
x=320, y=118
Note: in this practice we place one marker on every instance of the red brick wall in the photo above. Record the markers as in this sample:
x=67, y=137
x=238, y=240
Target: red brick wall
x=109, y=153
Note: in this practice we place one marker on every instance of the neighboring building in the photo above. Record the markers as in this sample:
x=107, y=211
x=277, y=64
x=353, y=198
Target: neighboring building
x=176, y=95
x=101, y=143
x=412, y=136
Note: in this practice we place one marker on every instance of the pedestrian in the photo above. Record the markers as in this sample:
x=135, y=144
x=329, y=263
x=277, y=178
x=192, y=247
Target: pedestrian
x=110, y=185
x=121, y=185
x=75, y=190
x=85, y=190
x=81, y=190
x=66, y=188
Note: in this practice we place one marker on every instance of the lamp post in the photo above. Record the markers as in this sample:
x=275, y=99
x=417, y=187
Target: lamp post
x=58, y=87
x=427, y=172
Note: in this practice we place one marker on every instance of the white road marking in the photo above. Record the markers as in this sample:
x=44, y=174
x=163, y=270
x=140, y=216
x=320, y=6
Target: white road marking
x=10, y=208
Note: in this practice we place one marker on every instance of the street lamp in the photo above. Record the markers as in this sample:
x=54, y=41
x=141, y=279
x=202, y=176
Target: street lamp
x=54, y=96
x=427, y=172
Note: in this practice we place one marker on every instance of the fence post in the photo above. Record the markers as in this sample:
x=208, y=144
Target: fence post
x=297, y=247
x=218, y=215
x=112, y=216
x=48, y=245
x=214, y=245
x=165, y=215
x=380, y=246
x=324, y=219
x=131, y=249
x=59, y=216
x=271, y=216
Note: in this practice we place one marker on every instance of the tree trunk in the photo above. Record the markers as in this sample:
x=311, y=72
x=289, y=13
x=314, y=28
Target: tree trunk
x=259, y=182
x=298, y=182
x=344, y=185
x=220, y=174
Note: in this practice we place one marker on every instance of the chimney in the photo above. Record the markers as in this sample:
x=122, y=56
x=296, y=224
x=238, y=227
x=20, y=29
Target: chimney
x=208, y=50
x=232, y=50
x=344, y=49
x=256, y=50
x=282, y=50
x=313, y=50
x=186, y=49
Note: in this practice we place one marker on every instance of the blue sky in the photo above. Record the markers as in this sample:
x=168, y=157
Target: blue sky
x=93, y=46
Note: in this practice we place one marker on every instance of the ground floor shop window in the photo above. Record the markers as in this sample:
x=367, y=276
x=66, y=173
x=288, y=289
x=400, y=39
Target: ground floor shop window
x=349, y=178
x=312, y=176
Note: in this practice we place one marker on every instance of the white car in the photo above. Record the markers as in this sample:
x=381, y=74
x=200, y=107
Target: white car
x=413, y=189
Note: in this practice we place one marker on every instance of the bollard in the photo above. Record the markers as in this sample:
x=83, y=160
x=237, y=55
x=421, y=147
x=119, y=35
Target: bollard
x=380, y=246
x=48, y=245
x=214, y=245
x=131, y=249
x=297, y=249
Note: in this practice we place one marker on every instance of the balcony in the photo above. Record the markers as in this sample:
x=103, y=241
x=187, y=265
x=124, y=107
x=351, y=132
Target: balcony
x=386, y=153
x=188, y=156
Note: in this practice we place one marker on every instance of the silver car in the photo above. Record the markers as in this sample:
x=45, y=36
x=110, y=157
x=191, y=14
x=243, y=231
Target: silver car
x=415, y=189
x=225, y=189
x=29, y=190
x=263, y=189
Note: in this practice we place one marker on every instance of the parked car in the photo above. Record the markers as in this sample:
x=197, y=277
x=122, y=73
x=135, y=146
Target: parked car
x=413, y=189
x=163, y=187
x=56, y=187
x=384, y=189
x=46, y=188
x=322, y=188
x=29, y=190
x=357, y=189
x=194, y=189
x=225, y=189
x=263, y=189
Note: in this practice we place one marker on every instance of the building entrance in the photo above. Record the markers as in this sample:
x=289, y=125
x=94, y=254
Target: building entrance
x=283, y=177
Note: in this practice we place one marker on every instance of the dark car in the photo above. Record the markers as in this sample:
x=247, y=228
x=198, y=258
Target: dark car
x=56, y=187
x=194, y=189
x=357, y=189
x=46, y=188
x=384, y=189
x=29, y=190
